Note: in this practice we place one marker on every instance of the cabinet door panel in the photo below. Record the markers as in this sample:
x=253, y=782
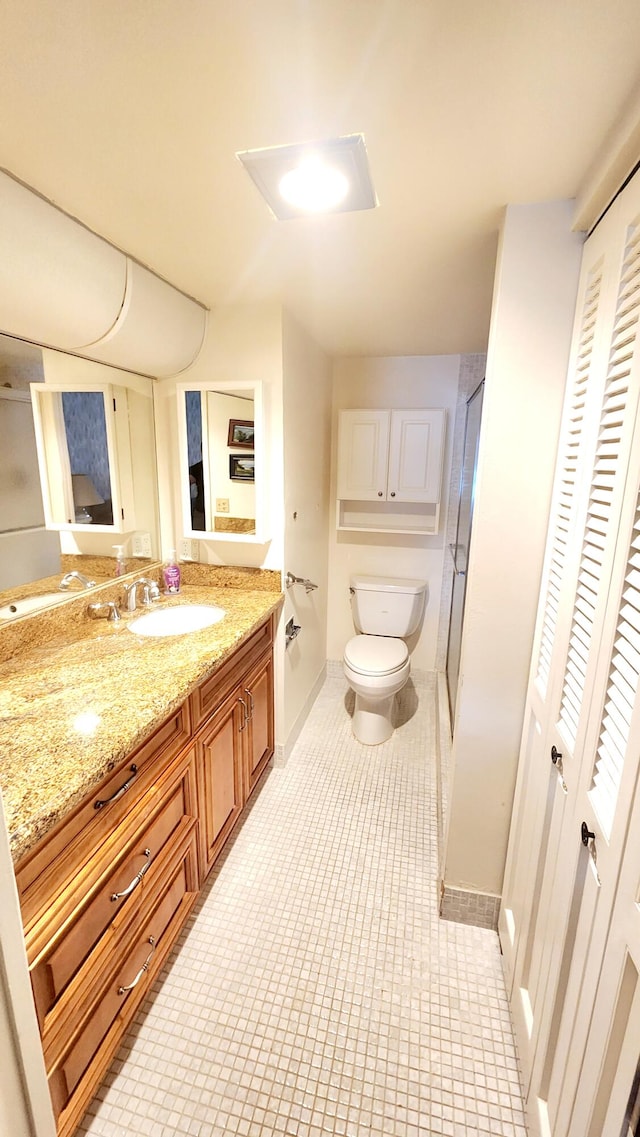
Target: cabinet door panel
x=415, y=455
x=363, y=442
x=260, y=732
x=220, y=777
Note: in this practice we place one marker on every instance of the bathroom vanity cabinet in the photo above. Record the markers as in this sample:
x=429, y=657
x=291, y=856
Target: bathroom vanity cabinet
x=390, y=469
x=106, y=892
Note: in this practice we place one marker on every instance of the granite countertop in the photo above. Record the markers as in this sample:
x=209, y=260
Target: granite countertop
x=70, y=710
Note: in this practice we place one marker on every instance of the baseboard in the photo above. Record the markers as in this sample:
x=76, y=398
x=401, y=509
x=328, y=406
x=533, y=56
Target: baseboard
x=462, y=907
x=283, y=750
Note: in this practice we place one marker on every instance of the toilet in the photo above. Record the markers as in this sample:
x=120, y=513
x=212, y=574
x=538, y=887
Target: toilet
x=376, y=662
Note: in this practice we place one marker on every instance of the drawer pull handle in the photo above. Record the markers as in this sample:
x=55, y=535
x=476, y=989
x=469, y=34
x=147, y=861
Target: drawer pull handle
x=245, y=716
x=253, y=706
x=136, y=880
x=133, y=769
x=145, y=967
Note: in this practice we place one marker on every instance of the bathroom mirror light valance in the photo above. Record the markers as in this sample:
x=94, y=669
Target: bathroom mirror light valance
x=63, y=286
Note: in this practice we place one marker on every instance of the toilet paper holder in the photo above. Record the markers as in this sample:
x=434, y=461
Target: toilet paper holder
x=291, y=631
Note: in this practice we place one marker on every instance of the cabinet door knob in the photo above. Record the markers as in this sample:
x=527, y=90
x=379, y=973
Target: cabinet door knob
x=393, y=493
x=555, y=754
x=379, y=493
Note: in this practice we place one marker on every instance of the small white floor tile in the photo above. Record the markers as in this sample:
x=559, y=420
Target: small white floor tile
x=314, y=990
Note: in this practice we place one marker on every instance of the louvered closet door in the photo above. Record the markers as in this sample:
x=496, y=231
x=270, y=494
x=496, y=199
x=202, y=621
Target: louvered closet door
x=607, y=1102
x=541, y=791
x=581, y=677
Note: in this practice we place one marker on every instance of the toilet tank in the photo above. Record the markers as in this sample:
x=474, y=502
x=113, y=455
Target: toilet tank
x=387, y=606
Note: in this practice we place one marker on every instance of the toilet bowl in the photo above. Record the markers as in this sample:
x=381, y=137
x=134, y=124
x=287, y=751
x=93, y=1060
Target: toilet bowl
x=376, y=668
x=376, y=662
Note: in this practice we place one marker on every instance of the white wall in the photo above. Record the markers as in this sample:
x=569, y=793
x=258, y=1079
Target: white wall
x=531, y=323
x=407, y=381
x=307, y=448
x=243, y=343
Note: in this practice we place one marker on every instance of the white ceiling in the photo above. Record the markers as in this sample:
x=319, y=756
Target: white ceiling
x=128, y=114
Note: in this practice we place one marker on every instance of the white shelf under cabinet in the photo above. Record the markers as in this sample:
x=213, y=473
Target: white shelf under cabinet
x=388, y=517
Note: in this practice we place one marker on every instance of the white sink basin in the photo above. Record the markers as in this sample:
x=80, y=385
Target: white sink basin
x=176, y=621
x=32, y=604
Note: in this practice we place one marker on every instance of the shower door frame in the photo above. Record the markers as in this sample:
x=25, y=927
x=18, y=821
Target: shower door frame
x=461, y=572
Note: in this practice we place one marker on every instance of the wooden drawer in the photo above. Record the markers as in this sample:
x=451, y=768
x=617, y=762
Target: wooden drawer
x=122, y=880
x=105, y=1010
x=221, y=682
x=61, y=857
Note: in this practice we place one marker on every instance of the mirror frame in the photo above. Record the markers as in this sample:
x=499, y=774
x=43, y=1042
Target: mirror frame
x=261, y=495
x=53, y=457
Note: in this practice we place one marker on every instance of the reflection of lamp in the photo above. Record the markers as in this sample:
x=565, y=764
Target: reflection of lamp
x=84, y=493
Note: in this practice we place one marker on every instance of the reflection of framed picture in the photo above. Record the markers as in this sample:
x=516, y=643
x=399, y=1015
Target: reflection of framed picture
x=241, y=467
x=240, y=433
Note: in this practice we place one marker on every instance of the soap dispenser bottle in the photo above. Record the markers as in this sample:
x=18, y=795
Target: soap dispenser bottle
x=121, y=564
x=171, y=575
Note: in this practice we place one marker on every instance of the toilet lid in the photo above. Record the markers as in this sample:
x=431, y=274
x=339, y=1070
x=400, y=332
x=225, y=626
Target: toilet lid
x=375, y=655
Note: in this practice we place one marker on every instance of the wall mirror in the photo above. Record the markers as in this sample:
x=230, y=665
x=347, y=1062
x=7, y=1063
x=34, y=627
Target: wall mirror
x=81, y=445
x=222, y=471
x=84, y=454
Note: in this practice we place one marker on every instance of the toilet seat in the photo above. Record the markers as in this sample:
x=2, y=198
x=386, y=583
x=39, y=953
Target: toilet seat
x=375, y=655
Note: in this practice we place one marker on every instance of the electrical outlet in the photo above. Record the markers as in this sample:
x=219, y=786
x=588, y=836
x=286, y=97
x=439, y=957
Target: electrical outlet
x=141, y=545
x=222, y=505
x=189, y=549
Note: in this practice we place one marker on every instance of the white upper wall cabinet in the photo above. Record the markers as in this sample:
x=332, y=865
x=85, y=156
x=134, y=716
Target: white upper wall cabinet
x=390, y=469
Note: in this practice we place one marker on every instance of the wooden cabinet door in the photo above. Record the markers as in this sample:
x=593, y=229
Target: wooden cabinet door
x=363, y=448
x=259, y=732
x=415, y=455
x=220, y=776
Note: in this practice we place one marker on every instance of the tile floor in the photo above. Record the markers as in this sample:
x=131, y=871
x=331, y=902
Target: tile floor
x=314, y=990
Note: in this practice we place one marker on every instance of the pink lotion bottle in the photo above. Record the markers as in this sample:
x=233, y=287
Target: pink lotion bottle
x=171, y=575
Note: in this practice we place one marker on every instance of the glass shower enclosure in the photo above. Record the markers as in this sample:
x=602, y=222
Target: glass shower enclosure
x=460, y=549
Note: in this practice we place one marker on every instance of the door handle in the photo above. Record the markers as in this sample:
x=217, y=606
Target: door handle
x=555, y=755
x=586, y=834
x=245, y=715
x=251, y=702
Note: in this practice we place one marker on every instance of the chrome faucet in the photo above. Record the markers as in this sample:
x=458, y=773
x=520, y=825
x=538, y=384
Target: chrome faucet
x=150, y=592
x=69, y=577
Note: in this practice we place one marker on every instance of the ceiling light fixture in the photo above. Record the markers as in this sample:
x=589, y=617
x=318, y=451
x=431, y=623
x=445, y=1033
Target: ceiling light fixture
x=313, y=177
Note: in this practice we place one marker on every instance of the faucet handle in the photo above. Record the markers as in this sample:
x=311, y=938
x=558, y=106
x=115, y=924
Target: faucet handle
x=107, y=609
x=150, y=591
